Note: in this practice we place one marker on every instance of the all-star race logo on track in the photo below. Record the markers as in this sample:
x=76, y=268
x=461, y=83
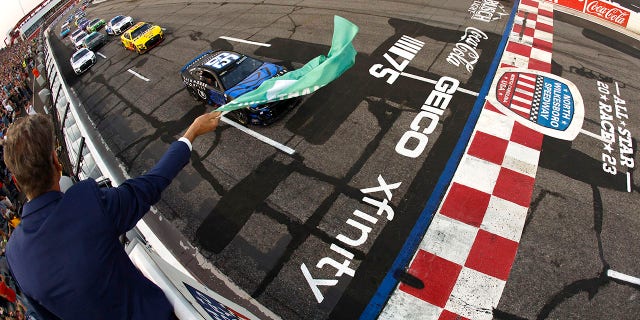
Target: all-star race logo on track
x=544, y=101
x=541, y=101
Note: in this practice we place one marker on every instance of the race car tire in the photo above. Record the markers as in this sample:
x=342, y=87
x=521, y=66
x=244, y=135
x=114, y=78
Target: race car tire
x=202, y=95
x=241, y=116
x=193, y=94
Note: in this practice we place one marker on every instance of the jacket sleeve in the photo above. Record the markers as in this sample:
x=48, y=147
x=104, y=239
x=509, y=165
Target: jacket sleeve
x=128, y=203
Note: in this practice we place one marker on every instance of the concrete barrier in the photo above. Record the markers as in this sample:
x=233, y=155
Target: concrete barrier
x=634, y=22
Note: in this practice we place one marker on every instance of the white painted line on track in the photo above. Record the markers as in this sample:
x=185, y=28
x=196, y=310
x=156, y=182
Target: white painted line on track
x=617, y=89
x=623, y=277
x=101, y=55
x=628, y=181
x=593, y=135
x=413, y=76
x=246, y=41
x=258, y=136
x=469, y=92
x=138, y=75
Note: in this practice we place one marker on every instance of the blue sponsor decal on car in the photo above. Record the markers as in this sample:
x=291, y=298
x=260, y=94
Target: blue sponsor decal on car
x=222, y=60
x=213, y=308
x=254, y=80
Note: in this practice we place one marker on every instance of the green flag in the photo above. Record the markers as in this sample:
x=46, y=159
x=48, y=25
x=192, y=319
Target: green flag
x=312, y=76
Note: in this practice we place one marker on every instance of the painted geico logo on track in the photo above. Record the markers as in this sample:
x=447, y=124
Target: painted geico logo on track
x=405, y=49
x=413, y=142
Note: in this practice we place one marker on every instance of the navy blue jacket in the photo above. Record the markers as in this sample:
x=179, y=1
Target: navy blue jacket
x=65, y=254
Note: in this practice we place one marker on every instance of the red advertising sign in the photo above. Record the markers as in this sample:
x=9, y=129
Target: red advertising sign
x=598, y=8
x=573, y=4
x=607, y=11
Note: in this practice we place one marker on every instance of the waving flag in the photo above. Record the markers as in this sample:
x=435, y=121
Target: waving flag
x=312, y=76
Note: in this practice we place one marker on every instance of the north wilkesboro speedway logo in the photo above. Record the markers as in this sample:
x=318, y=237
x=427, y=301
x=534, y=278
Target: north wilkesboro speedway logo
x=487, y=10
x=539, y=100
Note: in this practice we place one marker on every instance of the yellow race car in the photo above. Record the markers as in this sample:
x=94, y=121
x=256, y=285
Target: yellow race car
x=142, y=37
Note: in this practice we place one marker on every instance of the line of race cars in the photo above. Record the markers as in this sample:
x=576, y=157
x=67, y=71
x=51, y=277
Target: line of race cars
x=138, y=37
x=213, y=77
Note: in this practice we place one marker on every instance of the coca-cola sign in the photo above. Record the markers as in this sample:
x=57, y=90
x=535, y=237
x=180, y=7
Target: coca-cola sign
x=608, y=12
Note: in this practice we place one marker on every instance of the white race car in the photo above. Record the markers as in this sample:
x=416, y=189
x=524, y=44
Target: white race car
x=118, y=25
x=82, y=60
x=78, y=40
x=75, y=33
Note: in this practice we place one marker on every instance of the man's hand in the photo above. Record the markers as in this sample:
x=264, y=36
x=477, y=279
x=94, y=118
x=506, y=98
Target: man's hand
x=202, y=124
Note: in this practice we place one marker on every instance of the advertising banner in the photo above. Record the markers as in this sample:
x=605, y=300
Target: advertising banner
x=573, y=4
x=598, y=8
x=541, y=101
x=607, y=11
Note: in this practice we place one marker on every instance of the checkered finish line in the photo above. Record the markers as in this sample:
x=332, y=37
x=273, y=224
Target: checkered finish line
x=466, y=255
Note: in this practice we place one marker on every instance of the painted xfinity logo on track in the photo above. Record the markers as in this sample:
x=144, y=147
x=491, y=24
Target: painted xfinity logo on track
x=361, y=225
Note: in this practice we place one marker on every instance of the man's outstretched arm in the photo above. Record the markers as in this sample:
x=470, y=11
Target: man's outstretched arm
x=129, y=202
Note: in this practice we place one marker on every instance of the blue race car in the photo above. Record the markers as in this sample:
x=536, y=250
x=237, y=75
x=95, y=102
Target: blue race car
x=217, y=77
x=83, y=23
x=65, y=32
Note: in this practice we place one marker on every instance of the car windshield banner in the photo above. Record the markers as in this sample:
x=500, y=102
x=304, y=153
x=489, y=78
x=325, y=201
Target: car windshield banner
x=317, y=73
x=541, y=101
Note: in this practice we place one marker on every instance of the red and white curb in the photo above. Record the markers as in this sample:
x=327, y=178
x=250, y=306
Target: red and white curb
x=466, y=255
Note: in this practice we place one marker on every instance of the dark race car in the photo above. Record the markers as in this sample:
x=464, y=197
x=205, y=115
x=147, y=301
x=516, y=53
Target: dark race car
x=94, y=41
x=218, y=77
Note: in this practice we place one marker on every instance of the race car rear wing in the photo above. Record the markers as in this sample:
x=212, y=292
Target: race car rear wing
x=195, y=60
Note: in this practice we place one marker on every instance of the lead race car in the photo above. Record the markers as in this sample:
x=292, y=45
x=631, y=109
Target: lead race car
x=118, y=25
x=217, y=77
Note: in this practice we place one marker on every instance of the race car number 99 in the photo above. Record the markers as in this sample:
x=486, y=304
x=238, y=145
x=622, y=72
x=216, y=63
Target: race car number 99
x=221, y=60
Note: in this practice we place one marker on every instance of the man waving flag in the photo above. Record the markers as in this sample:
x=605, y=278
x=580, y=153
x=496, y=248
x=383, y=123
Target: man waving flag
x=315, y=74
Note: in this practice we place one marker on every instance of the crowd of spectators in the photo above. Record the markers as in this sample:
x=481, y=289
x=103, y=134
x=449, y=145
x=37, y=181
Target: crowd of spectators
x=16, y=93
x=16, y=65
